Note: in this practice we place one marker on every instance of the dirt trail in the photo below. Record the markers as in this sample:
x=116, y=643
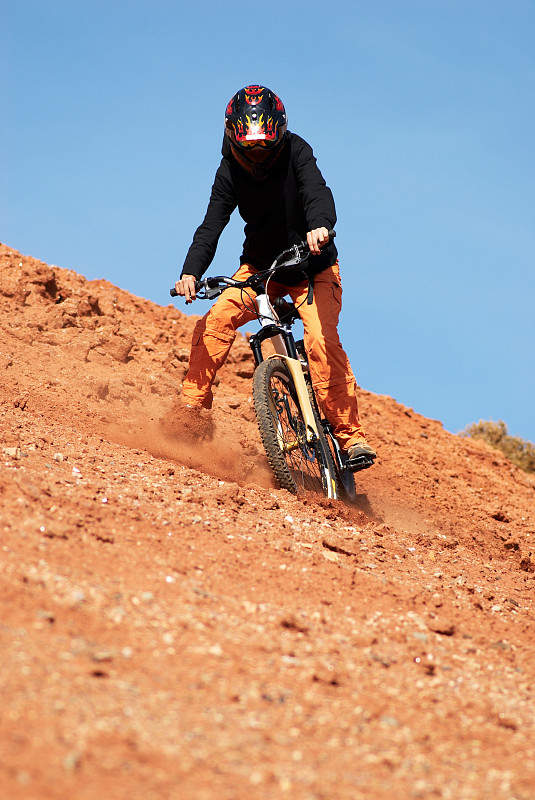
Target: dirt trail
x=173, y=626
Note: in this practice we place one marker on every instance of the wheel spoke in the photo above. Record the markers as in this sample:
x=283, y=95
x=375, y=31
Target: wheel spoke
x=298, y=464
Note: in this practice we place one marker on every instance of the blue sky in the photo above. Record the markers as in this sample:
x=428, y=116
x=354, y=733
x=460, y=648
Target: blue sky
x=420, y=112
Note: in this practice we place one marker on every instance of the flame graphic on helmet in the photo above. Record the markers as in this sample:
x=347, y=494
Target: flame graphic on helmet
x=255, y=127
x=254, y=94
x=271, y=128
x=255, y=130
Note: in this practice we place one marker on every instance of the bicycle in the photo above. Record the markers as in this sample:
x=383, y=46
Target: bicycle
x=300, y=445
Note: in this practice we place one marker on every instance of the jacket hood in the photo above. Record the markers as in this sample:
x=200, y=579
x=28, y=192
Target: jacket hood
x=225, y=147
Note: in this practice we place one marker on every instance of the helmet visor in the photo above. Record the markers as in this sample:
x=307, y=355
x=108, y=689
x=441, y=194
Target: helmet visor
x=254, y=136
x=252, y=140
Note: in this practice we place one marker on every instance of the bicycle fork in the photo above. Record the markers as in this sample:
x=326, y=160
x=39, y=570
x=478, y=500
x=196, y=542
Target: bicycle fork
x=283, y=343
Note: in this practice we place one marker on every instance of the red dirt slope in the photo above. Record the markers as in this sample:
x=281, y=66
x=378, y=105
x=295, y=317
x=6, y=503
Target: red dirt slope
x=172, y=626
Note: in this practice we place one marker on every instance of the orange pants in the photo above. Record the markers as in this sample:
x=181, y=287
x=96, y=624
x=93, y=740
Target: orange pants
x=330, y=370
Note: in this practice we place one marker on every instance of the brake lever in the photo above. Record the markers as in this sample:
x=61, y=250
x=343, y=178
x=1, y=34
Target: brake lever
x=210, y=293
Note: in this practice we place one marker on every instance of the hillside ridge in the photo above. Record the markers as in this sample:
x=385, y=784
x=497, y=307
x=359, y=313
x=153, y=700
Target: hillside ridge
x=173, y=625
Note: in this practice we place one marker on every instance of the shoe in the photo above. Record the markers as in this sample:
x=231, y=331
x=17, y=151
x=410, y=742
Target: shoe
x=361, y=449
x=360, y=456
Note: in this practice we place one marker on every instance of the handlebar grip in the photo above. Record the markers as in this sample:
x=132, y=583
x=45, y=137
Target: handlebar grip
x=199, y=285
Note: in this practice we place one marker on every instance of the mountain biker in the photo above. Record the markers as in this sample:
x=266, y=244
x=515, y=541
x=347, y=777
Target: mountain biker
x=270, y=175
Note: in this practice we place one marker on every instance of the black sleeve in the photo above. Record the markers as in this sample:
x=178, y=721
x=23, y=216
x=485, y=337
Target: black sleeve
x=222, y=204
x=317, y=198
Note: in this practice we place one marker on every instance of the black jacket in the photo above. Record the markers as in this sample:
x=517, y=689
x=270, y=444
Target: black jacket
x=278, y=211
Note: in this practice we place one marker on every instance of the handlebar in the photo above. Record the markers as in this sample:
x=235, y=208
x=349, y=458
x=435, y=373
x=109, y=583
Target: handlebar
x=212, y=287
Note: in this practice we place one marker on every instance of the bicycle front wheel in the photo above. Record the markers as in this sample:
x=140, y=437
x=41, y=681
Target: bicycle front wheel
x=297, y=464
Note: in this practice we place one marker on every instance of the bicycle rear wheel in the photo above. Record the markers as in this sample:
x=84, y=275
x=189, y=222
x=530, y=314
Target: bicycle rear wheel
x=345, y=479
x=298, y=465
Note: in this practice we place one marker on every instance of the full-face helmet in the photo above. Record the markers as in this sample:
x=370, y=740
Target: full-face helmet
x=255, y=123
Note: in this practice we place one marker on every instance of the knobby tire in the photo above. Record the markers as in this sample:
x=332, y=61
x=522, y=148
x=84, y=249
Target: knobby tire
x=296, y=464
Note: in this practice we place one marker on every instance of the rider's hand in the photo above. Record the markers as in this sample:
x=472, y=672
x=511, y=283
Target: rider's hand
x=185, y=287
x=317, y=239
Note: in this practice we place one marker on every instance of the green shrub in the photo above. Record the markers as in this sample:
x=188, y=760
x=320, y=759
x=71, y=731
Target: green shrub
x=517, y=450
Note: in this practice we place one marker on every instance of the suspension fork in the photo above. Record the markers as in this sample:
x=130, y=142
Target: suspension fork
x=285, y=350
x=291, y=359
x=296, y=371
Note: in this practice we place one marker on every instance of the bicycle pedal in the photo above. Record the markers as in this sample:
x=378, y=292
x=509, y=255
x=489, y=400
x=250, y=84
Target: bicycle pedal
x=358, y=463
